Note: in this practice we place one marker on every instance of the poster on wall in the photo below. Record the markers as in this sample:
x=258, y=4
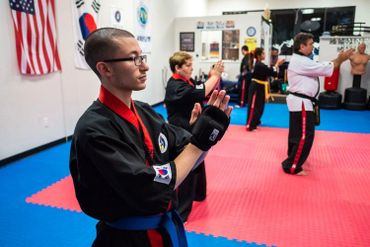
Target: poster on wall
x=216, y=25
x=214, y=50
x=187, y=41
x=143, y=24
x=251, y=43
x=85, y=19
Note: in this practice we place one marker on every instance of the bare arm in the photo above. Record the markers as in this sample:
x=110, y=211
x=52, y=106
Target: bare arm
x=214, y=77
x=185, y=162
x=342, y=56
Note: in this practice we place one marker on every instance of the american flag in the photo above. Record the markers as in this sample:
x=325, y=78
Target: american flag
x=35, y=34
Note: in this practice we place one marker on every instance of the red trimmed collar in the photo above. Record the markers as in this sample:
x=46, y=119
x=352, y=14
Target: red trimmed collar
x=116, y=105
x=180, y=77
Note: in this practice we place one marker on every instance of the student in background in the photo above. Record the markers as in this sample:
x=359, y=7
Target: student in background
x=258, y=93
x=245, y=75
x=274, y=56
x=276, y=82
x=182, y=92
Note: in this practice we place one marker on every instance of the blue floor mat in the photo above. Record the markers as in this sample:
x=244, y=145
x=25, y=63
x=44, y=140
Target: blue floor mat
x=277, y=116
x=23, y=224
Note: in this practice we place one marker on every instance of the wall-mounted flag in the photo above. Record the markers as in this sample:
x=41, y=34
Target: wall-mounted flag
x=85, y=14
x=35, y=36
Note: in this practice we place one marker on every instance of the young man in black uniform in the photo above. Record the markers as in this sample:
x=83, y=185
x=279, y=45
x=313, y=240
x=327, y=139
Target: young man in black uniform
x=126, y=161
x=182, y=93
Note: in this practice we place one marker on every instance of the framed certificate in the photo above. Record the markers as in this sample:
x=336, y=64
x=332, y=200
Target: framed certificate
x=187, y=41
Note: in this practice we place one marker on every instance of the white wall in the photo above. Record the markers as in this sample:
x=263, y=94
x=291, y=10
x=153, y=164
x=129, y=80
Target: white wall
x=36, y=110
x=162, y=48
x=190, y=8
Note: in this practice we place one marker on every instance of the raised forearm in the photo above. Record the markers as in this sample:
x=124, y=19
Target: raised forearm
x=186, y=161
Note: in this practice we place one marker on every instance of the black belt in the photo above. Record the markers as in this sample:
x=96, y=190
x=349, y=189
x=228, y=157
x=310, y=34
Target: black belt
x=313, y=99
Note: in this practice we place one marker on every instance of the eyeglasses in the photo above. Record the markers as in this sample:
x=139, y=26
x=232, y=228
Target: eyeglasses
x=138, y=60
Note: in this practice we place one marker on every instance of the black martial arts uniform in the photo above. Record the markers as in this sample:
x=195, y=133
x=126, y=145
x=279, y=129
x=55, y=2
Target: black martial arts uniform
x=258, y=94
x=245, y=77
x=181, y=95
x=122, y=166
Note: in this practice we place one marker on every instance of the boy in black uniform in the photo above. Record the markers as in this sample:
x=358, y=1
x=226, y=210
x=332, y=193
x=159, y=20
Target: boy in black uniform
x=182, y=93
x=126, y=161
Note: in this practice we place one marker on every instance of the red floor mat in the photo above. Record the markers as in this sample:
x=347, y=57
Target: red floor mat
x=250, y=198
x=59, y=195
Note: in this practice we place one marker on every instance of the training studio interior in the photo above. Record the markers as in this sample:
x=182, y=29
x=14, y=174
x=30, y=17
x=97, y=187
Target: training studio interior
x=46, y=86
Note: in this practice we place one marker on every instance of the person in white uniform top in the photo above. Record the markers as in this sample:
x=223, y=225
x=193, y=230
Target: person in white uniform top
x=304, y=88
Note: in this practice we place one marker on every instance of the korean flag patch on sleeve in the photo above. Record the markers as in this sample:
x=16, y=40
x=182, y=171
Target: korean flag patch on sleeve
x=163, y=174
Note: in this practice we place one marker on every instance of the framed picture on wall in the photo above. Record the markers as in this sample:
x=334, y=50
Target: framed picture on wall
x=187, y=41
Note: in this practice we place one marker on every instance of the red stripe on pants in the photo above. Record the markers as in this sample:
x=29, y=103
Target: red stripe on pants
x=301, y=142
x=252, y=109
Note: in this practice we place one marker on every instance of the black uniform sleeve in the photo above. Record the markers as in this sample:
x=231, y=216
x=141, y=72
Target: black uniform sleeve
x=177, y=136
x=271, y=71
x=262, y=71
x=180, y=137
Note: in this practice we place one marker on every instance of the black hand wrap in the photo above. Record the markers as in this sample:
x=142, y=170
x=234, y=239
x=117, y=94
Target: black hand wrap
x=209, y=128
